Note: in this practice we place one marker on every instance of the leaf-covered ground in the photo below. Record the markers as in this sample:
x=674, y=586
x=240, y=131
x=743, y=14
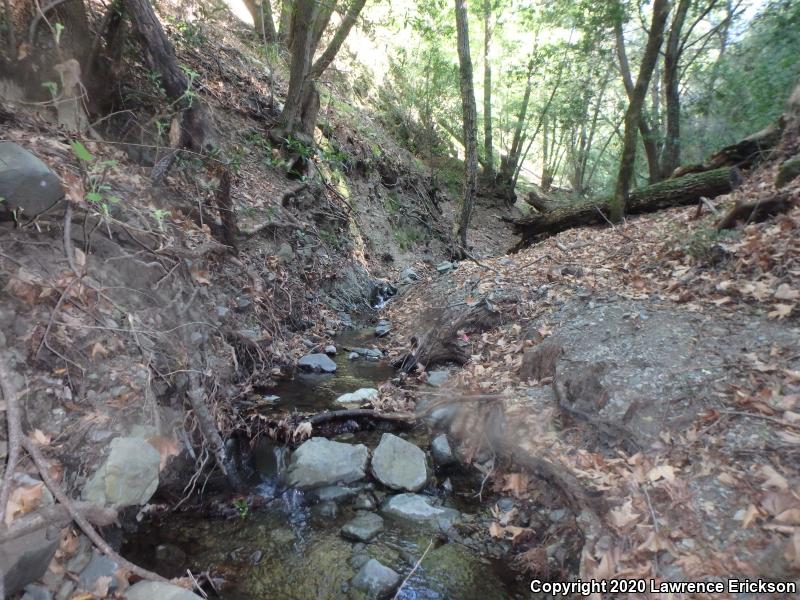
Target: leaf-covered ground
x=694, y=338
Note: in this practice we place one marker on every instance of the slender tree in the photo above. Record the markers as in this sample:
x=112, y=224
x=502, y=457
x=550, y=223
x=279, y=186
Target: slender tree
x=648, y=136
x=671, y=152
x=470, y=117
x=488, y=143
x=633, y=114
x=308, y=22
x=263, y=21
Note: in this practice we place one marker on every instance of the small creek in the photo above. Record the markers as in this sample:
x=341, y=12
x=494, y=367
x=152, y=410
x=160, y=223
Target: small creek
x=290, y=546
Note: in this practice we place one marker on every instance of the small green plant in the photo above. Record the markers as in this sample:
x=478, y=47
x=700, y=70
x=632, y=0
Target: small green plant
x=158, y=215
x=98, y=192
x=242, y=507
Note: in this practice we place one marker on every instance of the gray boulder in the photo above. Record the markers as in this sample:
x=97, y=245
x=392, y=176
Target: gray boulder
x=399, y=464
x=368, y=352
x=383, y=328
x=24, y=560
x=100, y=566
x=359, y=396
x=442, y=452
x=437, y=378
x=128, y=477
x=317, y=362
x=444, y=267
x=363, y=527
x=319, y=462
x=335, y=493
x=417, y=509
x=376, y=580
x=156, y=590
x=26, y=183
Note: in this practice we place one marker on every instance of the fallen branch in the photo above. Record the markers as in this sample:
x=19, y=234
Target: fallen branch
x=760, y=210
x=15, y=424
x=361, y=413
x=58, y=515
x=79, y=518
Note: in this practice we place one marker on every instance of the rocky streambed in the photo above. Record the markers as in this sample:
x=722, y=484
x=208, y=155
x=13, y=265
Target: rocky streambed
x=370, y=514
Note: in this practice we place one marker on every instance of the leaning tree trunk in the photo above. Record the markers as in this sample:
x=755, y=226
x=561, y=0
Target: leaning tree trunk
x=470, y=114
x=263, y=21
x=634, y=112
x=648, y=136
x=196, y=131
x=671, y=192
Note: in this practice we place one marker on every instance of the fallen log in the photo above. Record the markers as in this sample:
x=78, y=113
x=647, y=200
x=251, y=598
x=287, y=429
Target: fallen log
x=743, y=154
x=671, y=192
x=757, y=211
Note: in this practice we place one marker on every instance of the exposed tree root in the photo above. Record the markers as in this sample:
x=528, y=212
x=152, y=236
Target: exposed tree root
x=79, y=516
x=612, y=432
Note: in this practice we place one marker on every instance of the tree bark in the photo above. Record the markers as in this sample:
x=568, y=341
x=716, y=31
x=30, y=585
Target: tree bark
x=648, y=136
x=285, y=21
x=634, y=112
x=516, y=142
x=302, y=33
x=671, y=152
x=263, y=21
x=665, y=194
x=196, y=131
x=470, y=115
x=350, y=18
x=488, y=143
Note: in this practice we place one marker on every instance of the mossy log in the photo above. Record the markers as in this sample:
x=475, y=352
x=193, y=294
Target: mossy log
x=671, y=192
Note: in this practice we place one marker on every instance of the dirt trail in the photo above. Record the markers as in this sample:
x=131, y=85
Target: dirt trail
x=649, y=373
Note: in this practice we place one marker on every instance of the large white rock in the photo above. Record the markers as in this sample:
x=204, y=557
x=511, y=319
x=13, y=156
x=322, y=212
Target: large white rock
x=128, y=477
x=156, y=590
x=319, y=462
x=399, y=464
x=417, y=508
x=317, y=362
x=359, y=396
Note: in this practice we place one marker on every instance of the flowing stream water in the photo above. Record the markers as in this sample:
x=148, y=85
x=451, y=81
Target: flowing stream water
x=290, y=547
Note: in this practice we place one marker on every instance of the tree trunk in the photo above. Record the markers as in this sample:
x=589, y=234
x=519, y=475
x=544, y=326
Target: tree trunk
x=196, y=131
x=665, y=194
x=263, y=21
x=516, y=142
x=648, y=137
x=285, y=21
x=301, y=35
x=671, y=152
x=470, y=115
x=350, y=18
x=634, y=112
x=488, y=144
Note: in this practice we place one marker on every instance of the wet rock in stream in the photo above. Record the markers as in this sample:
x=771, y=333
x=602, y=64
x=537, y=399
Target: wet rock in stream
x=442, y=452
x=359, y=396
x=363, y=527
x=319, y=462
x=318, y=363
x=376, y=580
x=399, y=464
x=418, y=509
x=156, y=590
